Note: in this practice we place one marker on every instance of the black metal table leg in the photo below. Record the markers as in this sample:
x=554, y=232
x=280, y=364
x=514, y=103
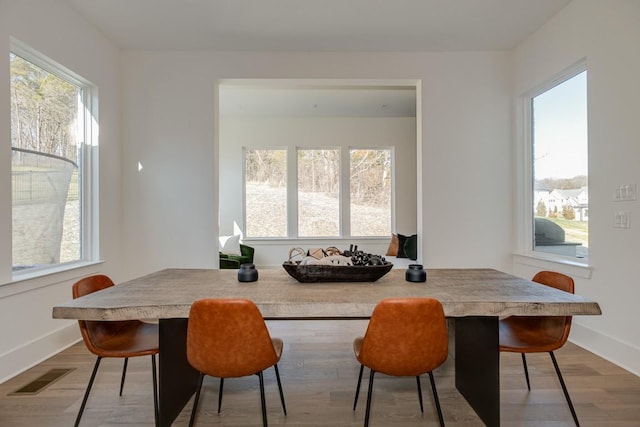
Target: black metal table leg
x=177, y=380
x=477, y=359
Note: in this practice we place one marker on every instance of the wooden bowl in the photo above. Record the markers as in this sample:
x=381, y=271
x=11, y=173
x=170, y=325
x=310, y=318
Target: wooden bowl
x=336, y=273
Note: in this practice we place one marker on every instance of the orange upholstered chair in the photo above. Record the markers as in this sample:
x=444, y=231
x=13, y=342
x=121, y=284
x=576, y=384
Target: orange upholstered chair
x=538, y=334
x=405, y=337
x=227, y=338
x=124, y=339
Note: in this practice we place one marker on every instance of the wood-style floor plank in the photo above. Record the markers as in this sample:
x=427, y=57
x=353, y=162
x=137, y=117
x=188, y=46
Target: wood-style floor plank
x=319, y=375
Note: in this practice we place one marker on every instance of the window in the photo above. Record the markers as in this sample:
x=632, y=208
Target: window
x=50, y=173
x=317, y=196
x=559, y=167
x=370, y=192
x=318, y=192
x=265, y=192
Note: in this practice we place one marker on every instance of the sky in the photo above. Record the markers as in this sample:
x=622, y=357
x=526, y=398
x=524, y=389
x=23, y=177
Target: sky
x=560, y=130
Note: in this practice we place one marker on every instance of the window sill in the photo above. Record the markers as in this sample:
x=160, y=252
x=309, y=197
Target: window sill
x=564, y=265
x=30, y=280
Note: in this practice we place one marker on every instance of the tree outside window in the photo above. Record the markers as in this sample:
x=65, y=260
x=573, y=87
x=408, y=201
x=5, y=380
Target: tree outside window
x=318, y=192
x=265, y=192
x=370, y=183
x=47, y=132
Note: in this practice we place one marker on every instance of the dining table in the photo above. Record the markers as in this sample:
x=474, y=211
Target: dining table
x=474, y=299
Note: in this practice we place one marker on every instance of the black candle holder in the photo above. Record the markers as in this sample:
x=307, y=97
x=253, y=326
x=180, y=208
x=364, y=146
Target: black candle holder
x=247, y=273
x=415, y=273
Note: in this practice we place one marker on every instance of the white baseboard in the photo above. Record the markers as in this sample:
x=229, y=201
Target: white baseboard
x=615, y=351
x=26, y=356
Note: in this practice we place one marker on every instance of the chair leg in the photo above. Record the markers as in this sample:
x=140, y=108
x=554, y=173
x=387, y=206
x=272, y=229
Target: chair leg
x=220, y=394
x=156, y=411
x=419, y=393
x=124, y=373
x=435, y=398
x=366, y=415
x=86, y=393
x=564, y=388
x=284, y=407
x=196, y=399
x=262, y=400
x=526, y=371
x=355, y=401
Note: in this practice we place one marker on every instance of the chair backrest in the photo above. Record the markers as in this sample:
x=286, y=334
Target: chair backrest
x=405, y=337
x=555, y=280
x=228, y=338
x=94, y=333
x=247, y=251
x=91, y=284
x=555, y=326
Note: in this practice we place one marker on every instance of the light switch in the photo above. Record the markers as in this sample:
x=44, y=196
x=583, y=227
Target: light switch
x=622, y=219
x=625, y=192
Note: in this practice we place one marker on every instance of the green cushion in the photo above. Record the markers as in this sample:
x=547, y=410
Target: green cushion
x=408, y=246
x=234, y=261
x=229, y=264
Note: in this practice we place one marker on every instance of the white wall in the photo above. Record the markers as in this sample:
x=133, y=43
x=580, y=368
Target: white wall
x=169, y=126
x=607, y=34
x=346, y=132
x=28, y=332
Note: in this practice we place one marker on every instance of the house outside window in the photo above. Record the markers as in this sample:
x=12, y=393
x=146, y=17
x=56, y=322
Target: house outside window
x=51, y=170
x=559, y=147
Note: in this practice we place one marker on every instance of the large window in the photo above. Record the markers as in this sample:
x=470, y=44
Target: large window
x=370, y=192
x=318, y=192
x=50, y=174
x=322, y=210
x=560, y=168
x=265, y=192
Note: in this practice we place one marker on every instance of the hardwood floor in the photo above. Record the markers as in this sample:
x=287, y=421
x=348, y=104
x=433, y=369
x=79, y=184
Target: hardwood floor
x=319, y=375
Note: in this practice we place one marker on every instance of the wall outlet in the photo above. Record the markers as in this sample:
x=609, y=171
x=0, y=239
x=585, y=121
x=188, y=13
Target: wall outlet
x=622, y=219
x=625, y=192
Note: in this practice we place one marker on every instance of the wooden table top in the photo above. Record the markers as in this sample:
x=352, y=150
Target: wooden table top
x=463, y=292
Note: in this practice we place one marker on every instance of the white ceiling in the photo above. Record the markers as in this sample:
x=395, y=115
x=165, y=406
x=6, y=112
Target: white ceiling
x=318, y=25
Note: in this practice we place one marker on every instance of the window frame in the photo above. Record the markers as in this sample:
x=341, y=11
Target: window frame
x=87, y=165
x=525, y=166
x=344, y=197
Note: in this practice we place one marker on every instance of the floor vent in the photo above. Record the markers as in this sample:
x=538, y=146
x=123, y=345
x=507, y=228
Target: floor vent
x=40, y=383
